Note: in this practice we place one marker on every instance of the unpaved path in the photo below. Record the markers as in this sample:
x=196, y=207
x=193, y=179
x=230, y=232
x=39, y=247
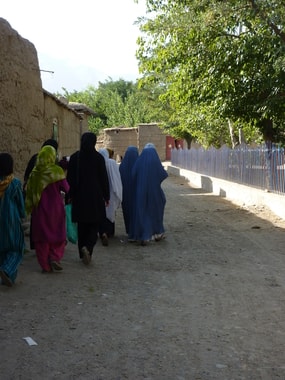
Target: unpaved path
x=208, y=302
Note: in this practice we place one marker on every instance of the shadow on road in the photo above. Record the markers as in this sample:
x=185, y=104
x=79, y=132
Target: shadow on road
x=205, y=303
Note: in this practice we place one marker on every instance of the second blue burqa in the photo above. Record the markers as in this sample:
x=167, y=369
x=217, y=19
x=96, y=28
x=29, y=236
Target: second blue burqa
x=128, y=202
x=148, y=174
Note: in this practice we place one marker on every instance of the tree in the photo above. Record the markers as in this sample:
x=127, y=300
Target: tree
x=121, y=103
x=219, y=61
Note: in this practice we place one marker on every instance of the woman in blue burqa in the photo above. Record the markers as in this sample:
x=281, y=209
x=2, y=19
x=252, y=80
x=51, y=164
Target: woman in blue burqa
x=128, y=202
x=148, y=174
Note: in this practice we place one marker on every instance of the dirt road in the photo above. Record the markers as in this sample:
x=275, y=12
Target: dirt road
x=208, y=302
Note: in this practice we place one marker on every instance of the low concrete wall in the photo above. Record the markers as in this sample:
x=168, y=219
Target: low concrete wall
x=236, y=193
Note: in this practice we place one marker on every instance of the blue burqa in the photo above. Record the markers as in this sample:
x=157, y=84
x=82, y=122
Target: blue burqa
x=148, y=174
x=128, y=202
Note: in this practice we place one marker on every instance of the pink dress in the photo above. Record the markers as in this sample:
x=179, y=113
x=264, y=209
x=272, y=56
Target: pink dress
x=49, y=217
x=48, y=226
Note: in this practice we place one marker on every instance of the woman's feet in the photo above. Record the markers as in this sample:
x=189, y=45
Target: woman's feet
x=159, y=237
x=46, y=271
x=56, y=266
x=86, y=257
x=104, y=239
x=6, y=280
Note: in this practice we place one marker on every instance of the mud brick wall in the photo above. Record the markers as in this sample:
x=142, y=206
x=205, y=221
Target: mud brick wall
x=117, y=139
x=120, y=138
x=151, y=133
x=69, y=124
x=21, y=96
x=27, y=112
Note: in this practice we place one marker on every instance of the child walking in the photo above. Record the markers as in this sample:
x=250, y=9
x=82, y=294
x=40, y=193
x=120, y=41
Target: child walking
x=44, y=200
x=12, y=211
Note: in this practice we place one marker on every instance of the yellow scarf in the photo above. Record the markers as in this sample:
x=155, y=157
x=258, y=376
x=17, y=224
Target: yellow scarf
x=45, y=172
x=5, y=183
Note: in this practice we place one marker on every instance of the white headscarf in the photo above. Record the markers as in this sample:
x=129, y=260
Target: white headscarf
x=149, y=145
x=115, y=183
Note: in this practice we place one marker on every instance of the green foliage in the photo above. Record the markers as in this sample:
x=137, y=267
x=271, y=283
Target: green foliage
x=218, y=61
x=121, y=103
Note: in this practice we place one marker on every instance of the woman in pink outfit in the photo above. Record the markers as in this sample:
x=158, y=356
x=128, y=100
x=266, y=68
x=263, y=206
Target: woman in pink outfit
x=44, y=200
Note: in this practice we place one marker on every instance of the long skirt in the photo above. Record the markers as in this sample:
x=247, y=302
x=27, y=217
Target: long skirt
x=10, y=264
x=49, y=252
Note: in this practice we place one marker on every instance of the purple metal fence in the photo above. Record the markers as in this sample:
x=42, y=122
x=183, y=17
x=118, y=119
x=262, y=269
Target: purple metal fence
x=262, y=167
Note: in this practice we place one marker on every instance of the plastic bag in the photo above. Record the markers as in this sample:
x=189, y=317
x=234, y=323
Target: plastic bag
x=71, y=228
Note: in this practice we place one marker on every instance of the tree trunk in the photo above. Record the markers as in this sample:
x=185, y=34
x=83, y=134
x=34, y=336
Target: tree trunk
x=241, y=136
x=188, y=141
x=232, y=134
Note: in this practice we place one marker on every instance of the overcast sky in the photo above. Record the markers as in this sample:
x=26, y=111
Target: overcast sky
x=82, y=42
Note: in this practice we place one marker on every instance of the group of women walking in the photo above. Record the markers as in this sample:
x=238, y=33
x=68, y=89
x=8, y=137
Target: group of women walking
x=143, y=198
x=95, y=185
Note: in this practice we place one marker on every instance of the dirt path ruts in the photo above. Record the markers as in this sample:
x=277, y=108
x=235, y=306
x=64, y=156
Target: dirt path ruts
x=207, y=302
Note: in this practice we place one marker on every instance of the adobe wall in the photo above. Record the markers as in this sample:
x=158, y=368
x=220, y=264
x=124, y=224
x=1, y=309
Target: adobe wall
x=27, y=112
x=119, y=139
x=21, y=97
x=69, y=124
x=151, y=133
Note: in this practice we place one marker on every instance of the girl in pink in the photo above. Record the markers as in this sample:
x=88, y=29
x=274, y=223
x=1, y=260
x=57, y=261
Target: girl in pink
x=44, y=200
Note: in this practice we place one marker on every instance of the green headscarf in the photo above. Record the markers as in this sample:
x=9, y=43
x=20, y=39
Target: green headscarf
x=44, y=173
